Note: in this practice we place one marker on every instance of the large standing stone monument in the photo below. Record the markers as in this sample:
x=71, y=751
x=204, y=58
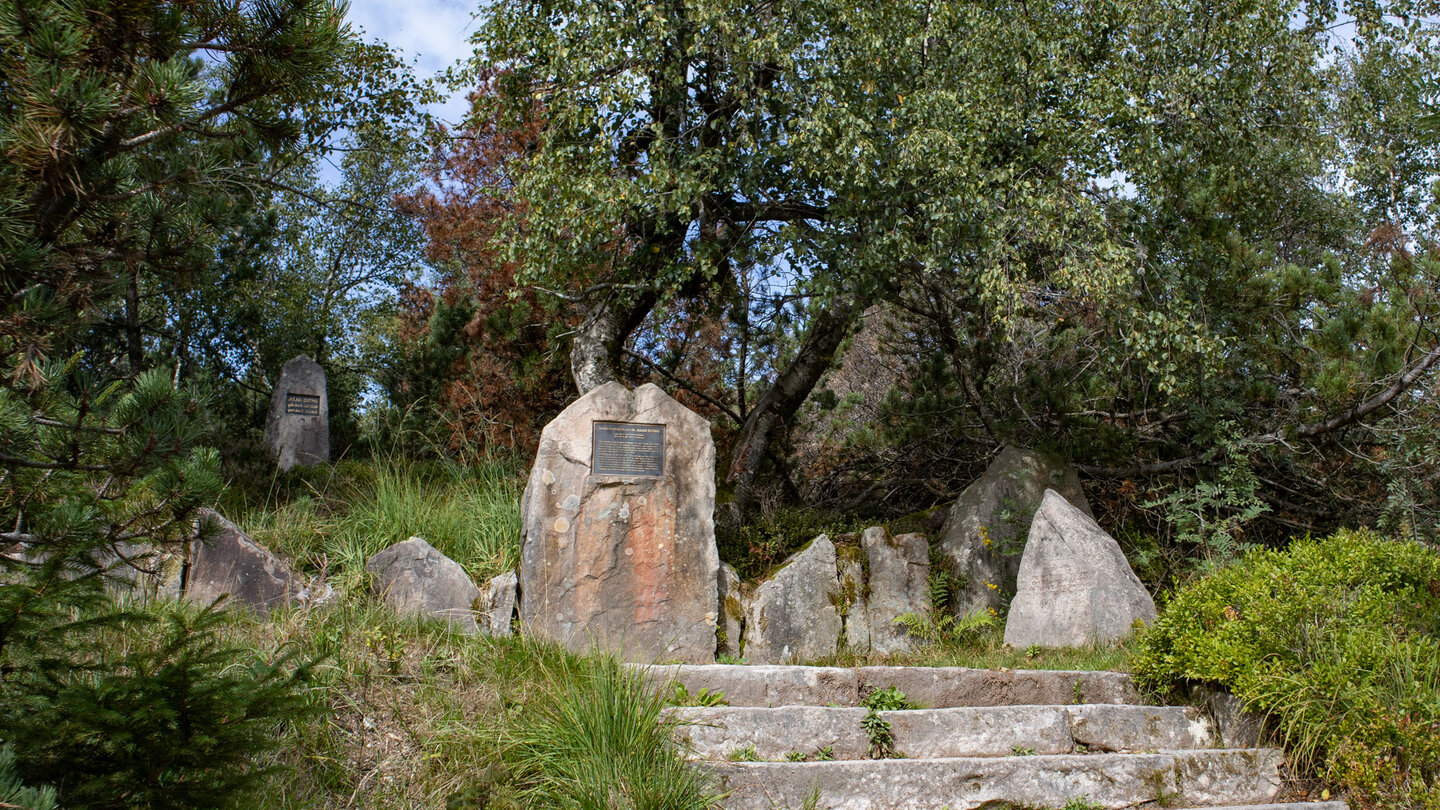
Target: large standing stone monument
x=619, y=547
x=297, y=429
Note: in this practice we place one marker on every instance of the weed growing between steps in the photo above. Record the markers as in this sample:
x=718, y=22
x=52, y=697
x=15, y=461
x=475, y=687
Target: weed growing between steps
x=877, y=728
x=1338, y=641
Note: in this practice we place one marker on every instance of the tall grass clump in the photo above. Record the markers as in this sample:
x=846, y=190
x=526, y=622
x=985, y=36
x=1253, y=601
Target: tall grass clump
x=595, y=737
x=471, y=513
x=1337, y=642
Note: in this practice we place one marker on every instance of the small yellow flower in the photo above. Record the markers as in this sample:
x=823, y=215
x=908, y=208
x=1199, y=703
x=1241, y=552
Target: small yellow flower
x=992, y=586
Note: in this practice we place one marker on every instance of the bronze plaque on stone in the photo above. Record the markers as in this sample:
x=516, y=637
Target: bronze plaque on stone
x=627, y=448
x=302, y=404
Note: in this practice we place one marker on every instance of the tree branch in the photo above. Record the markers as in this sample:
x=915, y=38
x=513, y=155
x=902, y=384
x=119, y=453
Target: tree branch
x=684, y=384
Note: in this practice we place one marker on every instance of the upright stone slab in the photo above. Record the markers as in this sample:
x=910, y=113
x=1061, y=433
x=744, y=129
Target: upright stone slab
x=732, y=613
x=899, y=584
x=619, y=547
x=497, y=605
x=794, y=616
x=984, y=534
x=297, y=429
x=1076, y=587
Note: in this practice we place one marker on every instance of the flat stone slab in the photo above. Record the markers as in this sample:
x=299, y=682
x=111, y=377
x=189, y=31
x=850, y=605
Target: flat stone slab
x=718, y=732
x=1285, y=806
x=1202, y=778
x=766, y=685
x=927, y=687
x=942, y=687
x=1140, y=728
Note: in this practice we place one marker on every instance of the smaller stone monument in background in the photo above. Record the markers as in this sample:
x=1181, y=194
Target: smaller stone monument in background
x=297, y=429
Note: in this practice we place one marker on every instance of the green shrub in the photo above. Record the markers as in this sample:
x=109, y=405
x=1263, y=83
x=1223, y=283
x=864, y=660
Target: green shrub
x=1338, y=642
x=15, y=794
x=157, y=713
x=775, y=534
x=597, y=738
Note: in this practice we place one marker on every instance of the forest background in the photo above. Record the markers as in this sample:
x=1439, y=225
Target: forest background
x=1187, y=246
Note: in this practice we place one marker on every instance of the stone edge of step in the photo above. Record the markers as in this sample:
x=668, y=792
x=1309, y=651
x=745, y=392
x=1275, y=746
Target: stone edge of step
x=1330, y=805
x=940, y=687
x=1052, y=729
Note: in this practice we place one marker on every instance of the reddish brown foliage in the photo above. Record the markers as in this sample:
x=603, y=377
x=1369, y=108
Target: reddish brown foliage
x=484, y=349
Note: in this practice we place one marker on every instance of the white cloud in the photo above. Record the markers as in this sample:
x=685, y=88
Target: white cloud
x=435, y=32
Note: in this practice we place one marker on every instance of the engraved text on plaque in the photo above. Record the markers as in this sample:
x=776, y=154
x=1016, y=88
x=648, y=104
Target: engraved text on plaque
x=302, y=404
x=626, y=448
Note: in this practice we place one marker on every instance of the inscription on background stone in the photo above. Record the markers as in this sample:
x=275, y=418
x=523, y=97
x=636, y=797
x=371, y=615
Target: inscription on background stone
x=302, y=404
x=626, y=448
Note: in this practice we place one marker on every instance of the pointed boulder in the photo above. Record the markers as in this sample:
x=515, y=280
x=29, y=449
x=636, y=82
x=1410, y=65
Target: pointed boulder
x=416, y=578
x=984, y=532
x=225, y=561
x=1075, y=586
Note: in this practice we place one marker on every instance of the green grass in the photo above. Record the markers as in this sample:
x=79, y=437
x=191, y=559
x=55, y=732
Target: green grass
x=335, y=523
x=413, y=714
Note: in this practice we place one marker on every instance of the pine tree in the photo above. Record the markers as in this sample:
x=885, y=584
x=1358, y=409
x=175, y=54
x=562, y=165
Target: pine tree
x=134, y=135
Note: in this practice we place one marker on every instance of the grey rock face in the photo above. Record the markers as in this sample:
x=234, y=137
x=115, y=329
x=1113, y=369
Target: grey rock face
x=854, y=604
x=416, y=578
x=297, y=428
x=627, y=562
x=1075, y=585
x=732, y=612
x=899, y=584
x=984, y=531
x=140, y=570
x=229, y=562
x=497, y=605
x=794, y=615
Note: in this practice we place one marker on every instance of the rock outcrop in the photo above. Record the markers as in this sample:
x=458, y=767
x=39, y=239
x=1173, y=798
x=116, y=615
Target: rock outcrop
x=415, y=577
x=899, y=583
x=624, y=561
x=794, y=616
x=984, y=532
x=1075, y=586
x=226, y=561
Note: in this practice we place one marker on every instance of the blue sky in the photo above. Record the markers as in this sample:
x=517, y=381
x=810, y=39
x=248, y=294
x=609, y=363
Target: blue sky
x=434, y=32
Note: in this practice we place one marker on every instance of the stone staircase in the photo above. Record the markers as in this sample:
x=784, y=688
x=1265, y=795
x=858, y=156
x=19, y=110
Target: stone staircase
x=797, y=737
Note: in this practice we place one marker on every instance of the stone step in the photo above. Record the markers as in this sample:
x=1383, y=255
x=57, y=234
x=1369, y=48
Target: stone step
x=773, y=734
x=930, y=687
x=1168, y=778
x=1282, y=806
